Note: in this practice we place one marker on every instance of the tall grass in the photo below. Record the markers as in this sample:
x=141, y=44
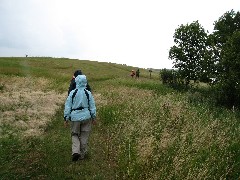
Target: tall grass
x=145, y=130
x=167, y=137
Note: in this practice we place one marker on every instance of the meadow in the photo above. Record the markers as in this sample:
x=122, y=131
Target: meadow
x=145, y=130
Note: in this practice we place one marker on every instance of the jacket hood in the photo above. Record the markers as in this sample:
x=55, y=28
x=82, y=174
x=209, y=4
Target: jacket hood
x=77, y=72
x=81, y=81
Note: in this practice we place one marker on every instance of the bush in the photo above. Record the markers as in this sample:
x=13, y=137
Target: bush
x=172, y=78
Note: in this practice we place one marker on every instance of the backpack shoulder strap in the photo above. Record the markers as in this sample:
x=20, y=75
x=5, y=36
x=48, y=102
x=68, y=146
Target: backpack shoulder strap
x=88, y=101
x=74, y=94
x=87, y=95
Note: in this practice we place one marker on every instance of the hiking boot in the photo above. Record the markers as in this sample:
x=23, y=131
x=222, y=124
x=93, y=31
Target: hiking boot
x=75, y=156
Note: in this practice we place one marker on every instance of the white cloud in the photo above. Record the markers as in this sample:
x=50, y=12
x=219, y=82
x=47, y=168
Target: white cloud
x=133, y=32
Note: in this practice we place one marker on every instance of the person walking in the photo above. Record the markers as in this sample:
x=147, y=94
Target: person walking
x=137, y=73
x=80, y=108
x=72, y=85
x=132, y=73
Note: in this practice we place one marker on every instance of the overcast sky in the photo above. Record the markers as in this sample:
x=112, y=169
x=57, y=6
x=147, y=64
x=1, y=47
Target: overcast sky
x=133, y=32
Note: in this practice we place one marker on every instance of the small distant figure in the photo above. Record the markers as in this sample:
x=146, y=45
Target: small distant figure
x=132, y=73
x=137, y=73
x=150, y=73
x=26, y=55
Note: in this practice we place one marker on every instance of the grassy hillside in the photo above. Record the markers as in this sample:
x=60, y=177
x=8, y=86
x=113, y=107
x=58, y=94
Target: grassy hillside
x=61, y=70
x=145, y=130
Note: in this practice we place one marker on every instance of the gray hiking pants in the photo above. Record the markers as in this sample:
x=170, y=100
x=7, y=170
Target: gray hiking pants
x=80, y=134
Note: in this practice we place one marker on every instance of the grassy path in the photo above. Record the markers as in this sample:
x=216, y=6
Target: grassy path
x=49, y=156
x=96, y=164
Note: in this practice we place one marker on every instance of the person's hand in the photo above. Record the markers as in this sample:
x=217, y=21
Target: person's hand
x=66, y=123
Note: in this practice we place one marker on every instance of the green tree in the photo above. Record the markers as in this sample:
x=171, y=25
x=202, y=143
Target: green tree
x=225, y=42
x=189, y=51
x=229, y=78
x=224, y=27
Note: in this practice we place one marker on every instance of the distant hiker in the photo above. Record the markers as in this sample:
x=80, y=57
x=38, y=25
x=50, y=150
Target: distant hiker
x=80, y=106
x=137, y=73
x=132, y=73
x=150, y=73
x=72, y=85
x=26, y=55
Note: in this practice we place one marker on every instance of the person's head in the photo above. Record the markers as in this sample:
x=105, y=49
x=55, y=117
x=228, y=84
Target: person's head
x=81, y=81
x=77, y=72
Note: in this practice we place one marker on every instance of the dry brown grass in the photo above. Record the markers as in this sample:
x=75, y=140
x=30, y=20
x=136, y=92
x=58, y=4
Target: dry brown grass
x=27, y=106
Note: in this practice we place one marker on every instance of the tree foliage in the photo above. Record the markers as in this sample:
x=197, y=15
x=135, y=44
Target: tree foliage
x=224, y=28
x=226, y=40
x=189, y=50
x=229, y=72
x=170, y=77
x=199, y=56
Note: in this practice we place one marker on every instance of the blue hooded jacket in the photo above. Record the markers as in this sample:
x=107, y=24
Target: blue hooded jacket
x=79, y=108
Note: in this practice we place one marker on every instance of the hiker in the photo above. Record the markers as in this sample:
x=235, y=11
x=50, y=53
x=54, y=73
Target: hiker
x=72, y=85
x=150, y=73
x=132, y=73
x=80, y=107
x=137, y=73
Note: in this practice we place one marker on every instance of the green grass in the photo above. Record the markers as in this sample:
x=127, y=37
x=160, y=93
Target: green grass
x=145, y=130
